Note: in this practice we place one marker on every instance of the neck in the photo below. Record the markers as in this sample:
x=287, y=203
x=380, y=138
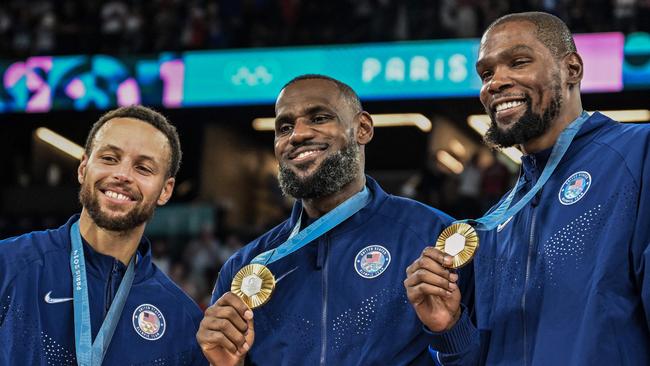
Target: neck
x=120, y=245
x=549, y=137
x=317, y=207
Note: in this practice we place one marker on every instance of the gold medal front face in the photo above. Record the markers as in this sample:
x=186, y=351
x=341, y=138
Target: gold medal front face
x=254, y=284
x=460, y=241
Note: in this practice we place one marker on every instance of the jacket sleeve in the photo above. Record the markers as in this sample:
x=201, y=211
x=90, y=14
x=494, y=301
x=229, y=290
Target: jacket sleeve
x=641, y=236
x=461, y=344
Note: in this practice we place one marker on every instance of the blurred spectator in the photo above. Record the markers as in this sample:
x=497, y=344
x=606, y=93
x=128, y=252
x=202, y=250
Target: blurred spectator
x=469, y=190
x=495, y=181
x=135, y=26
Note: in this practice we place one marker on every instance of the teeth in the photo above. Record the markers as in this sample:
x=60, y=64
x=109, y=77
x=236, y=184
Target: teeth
x=116, y=195
x=507, y=105
x=305, y=153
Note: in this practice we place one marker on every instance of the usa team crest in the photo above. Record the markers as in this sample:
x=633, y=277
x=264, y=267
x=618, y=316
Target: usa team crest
x=149, y=322
x=574, y=188
x=372, y=261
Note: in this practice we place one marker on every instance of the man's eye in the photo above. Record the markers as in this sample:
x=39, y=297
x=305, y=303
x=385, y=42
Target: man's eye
x=144, y=169
x=320, y=118
x=284, y=129
x=486, y=75
x=108, y=159
x=520, y=62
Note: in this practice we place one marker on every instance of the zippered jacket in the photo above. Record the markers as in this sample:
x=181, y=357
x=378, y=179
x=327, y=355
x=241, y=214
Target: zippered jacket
x=340, y=300
x=565, y=281
x=158, y=324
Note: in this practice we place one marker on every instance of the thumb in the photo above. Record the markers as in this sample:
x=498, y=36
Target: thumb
x=250, y=334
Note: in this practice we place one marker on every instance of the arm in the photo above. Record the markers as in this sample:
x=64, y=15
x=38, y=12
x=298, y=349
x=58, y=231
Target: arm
x=434, y=292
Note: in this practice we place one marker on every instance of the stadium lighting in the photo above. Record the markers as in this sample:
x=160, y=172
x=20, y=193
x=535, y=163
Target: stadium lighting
x=481, y=122
x=449, y=161
x=380, y=120
x=60, y=142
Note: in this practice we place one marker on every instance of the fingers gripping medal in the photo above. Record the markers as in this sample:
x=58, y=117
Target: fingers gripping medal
x=254, y=284
x=460, y=241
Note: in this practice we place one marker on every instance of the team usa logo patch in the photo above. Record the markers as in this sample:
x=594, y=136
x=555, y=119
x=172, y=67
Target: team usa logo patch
x=149, y=322
x=372, y=261
x=574, y=188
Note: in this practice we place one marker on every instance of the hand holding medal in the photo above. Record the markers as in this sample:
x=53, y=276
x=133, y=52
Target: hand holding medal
x=431, y=286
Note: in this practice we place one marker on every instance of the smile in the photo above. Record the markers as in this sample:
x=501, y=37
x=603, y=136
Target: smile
x=507, y=105
x=305, y=154
x=117, y=196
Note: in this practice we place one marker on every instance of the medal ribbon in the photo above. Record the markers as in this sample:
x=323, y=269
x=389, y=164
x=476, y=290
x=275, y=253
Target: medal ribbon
x=89, y=353
x=561, y=146
x=299, y=239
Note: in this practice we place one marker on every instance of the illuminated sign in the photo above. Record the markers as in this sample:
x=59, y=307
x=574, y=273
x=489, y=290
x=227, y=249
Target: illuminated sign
x=636, y=73
x=410, y=70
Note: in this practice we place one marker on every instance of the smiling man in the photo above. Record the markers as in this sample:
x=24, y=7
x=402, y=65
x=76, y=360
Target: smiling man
x=563, y=280
x=338, y=297
x=87, y=293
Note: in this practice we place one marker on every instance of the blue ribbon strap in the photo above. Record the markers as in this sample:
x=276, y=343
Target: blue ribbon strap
x=89, y=353
x=561, y=146
x=299, y=239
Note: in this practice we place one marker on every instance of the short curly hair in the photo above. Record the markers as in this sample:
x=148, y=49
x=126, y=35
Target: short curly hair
x=149, y=116
x=550, y=30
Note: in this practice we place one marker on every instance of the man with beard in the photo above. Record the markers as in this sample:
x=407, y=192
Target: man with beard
x=88, y=293
x=564, y=279
x=338, y=299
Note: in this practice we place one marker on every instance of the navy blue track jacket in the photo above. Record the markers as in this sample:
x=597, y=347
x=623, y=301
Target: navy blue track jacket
x=564, y=281
x=157, y=327
x=340, y=300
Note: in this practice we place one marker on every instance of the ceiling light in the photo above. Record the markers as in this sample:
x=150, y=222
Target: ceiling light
x=60, y=142
x=380, y=120
x=449, y=161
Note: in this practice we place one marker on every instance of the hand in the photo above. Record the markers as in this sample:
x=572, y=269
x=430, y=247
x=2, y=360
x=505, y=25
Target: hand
x=226, y=332
x=432, y=290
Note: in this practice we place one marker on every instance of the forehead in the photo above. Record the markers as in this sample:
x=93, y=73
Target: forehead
x=305, y=94
x=507, y=36
x=133, y=137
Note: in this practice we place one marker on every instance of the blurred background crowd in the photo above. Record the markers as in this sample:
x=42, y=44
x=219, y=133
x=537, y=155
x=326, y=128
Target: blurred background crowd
x=136, y=26
x=211, y=221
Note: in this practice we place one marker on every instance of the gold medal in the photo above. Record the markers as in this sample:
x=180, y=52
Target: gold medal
x=254, y=284
x=460, y=241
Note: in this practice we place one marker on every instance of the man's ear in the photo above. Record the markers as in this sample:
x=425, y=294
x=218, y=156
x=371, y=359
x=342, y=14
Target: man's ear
x=81, y=170
x=366, y=128
x=166, y=192
x=574, y=68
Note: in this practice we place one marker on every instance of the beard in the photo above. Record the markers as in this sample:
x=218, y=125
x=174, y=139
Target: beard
x=334, y=173
x=529, y=126
x=132, y=219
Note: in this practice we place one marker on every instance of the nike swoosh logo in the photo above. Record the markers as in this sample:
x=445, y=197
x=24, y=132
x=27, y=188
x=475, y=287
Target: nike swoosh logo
x=55, y=300
x=285, y=275
x=502, y=225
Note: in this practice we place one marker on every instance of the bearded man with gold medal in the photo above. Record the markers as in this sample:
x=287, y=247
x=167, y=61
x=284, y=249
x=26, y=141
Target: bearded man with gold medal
x=325, y=287
x=561, y=276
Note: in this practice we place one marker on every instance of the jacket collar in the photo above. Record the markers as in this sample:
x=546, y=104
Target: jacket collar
x=378, y=196
x=100, y=265
x=533, y=164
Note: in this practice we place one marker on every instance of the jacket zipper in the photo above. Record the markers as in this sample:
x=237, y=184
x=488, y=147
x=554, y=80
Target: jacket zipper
x=110, y=293
x=323, y=350
x=523, y=297
x=528, y=263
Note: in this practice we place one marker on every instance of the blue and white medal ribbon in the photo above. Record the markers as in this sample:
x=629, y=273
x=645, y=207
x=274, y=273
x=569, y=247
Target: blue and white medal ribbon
x=92, y=353
x=254, y=283
x=451, y=240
